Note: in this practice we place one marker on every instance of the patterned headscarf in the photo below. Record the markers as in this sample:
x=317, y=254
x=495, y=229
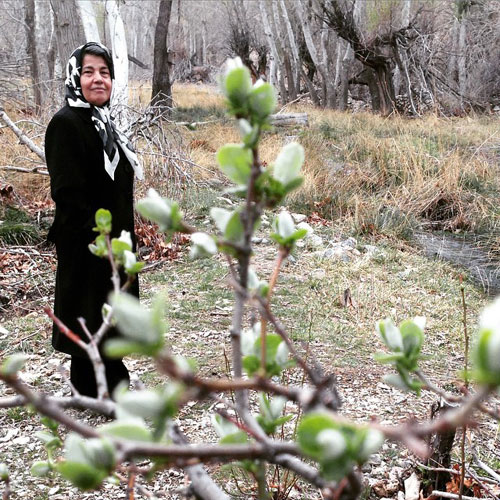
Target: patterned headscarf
x=101, y=117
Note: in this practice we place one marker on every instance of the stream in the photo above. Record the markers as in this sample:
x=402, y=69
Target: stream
x=463, y=253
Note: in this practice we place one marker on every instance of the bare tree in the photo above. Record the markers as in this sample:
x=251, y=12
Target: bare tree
x=162, y=87
x=30, y=23
x=68, y=28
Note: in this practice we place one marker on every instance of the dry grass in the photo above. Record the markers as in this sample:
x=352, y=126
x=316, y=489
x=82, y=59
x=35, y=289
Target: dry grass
x=440, y=171
x=359, y=167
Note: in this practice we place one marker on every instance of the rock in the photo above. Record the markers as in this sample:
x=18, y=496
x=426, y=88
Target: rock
x=375, y=459
x=412, y=488
x=384, y=488
x=226, y=200
x=318, y=274
x=314, y=241
x=306, y=226
x=297, y=218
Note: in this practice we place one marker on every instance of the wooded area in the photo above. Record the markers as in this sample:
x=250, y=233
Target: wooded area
x=406, y=55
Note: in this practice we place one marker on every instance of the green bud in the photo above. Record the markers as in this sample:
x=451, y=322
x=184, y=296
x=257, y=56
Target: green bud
x=262, y=100
x=288, y=163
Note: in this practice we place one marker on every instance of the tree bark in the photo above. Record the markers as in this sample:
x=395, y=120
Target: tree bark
x=293, y=46
x=68, y=28
x=275, y=56
x=326, y=80
x=162, y=88
x=285, y=54
x=30, y=24
x=89, y=22
x=120, y=58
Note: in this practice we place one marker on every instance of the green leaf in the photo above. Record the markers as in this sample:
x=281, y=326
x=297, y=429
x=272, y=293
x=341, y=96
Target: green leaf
x=237, y=438
x=48, y=439
x=99, y=247
x=4, y=472
x=288, y=163
x=293, y=184
x=283, y=225
x=223, y=427
x=262, y=100
x=390, y=335
x=234, y=231
x=12, y=364
x=157, y=209
x=371, y=443
x=237, y=82
x=136, y=322
x=119, y=348
x=83, y=476
x=413, y=337
x=127, y=429
x=40, y=469
x=251, y=364
x=103, y=221
x=130, y=263
x=144, y=404
x=203, y=245
x=235, y=161
x=50, y=423
x=332, y=442
x=119, y=246
x=221, y=217
x=100, y=453
x=307, y=431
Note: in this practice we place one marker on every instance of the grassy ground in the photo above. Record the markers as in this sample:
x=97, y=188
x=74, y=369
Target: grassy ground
x=377, y=179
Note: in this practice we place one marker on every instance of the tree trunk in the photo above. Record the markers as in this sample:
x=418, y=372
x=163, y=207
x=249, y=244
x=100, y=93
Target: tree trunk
x=293, y=46
x=120, y=59
x=288, y=62
x=371, y=55
x=271, y=39
x=162, y=88
x=30, y=24
x=89, y=21
x=461, y=58
x=326, y=81
x=344, y=77
x=398, y=70
x=68, y=28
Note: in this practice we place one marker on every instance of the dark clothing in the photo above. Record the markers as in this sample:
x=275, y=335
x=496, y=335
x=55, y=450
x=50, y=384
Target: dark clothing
x=83, y=379
x=80, y=186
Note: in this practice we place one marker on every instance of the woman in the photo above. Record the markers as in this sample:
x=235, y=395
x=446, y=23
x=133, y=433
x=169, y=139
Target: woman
x=91, y=166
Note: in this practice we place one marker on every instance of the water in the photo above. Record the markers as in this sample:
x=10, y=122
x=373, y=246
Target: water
x=484, y=271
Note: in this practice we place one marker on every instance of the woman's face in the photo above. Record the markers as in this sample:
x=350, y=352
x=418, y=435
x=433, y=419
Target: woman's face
x=95, y=80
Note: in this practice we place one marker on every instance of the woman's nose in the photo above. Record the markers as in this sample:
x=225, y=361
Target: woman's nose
x=97, y=76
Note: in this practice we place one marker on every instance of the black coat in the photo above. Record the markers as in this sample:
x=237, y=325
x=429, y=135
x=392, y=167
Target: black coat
x=80, y=186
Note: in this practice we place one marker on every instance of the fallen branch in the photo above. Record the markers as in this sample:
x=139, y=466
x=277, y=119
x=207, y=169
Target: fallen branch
x=288, y=119
x=21, y=135
x=40, y=169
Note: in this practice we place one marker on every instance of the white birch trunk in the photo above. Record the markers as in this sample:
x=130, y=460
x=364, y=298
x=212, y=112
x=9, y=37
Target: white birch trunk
x=89, y=21
x=293, y=45
x=270, y=40
x=284, y=57
x=120, y=57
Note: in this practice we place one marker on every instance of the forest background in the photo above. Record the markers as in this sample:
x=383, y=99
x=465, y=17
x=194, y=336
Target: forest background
x=396, y=103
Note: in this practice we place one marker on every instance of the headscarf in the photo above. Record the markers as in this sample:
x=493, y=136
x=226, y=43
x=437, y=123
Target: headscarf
x=103, y=122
